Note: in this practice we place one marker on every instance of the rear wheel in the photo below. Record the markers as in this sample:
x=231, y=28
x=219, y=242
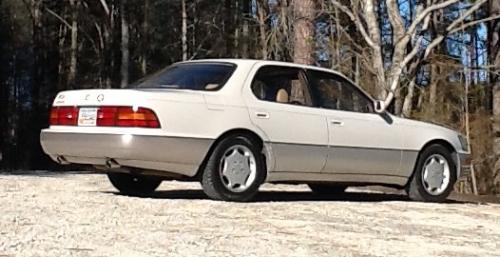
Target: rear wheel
x=434, y=175
x=325, y=189
x=134, y=185
x=234, y=171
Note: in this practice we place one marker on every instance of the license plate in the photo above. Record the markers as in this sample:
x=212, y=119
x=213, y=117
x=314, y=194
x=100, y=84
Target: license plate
x=87, y=117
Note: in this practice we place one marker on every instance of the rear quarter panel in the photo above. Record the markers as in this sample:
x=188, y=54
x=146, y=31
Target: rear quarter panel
x=206, y=114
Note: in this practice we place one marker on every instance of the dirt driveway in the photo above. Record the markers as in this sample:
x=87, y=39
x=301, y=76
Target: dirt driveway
x=80, y=215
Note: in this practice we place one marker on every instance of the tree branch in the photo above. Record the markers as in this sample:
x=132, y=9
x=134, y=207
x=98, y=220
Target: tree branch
x=61, y=19
x=356, y=21
x=105, y=7
x=395, y=19
x=399, y=71
x=472, y=23
x=466, y=14
x=421, y=16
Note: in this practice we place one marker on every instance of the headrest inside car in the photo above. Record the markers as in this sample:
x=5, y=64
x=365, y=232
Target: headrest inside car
x=282, y=96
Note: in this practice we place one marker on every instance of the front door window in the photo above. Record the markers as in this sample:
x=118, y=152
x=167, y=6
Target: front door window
x=336, y=93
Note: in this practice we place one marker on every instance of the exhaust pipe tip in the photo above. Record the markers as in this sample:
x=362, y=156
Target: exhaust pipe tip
x=112, y=164
x=61, y=160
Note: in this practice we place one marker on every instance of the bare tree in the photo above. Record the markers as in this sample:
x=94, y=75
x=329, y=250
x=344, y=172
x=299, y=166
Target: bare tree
x=145, y=38
x=105, y=31
x=262, y=7
x=75, y=4
x=303, y=29
x=245, y=31
x=124, y=45
x=184, y=31
x=364, y=15
x=494, y=7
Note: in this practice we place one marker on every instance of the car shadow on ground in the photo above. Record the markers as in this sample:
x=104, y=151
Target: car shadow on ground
x=47, y=173
x=287, y=196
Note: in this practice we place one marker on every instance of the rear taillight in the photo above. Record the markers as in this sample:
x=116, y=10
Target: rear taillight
x=64, y=116
x=108, y=116
x=120, y=116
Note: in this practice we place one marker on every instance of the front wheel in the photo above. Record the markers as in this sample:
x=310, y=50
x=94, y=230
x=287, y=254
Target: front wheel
x=434, y=175
x=234, y=171
x=134, y=185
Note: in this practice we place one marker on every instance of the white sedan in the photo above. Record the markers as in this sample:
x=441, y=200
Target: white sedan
x=235, y=124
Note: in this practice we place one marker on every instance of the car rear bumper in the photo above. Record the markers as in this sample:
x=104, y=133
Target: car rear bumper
x=179, y=155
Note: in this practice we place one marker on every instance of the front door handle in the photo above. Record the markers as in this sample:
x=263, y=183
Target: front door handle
x=262, y=115
x=337, y=122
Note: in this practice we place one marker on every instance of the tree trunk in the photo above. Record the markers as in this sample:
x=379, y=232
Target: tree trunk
x=245, y=30
x=434, y=80
x=31, y=157
x=408, y=101
x=494, y=40
x=145, y=38
x=75, y=4
x=228, y=28
x=262, y=13
x=4, y=91
x=236, y=29
x=377, y=58
x=398, y=102
x=303, y=29
x=124, y=45
x=184, y=31
x=62, y=56
x=108, y=63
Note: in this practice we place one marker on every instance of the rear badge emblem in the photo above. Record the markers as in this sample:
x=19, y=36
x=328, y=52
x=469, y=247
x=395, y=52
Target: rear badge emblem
x=87, y=97
x=100, y=98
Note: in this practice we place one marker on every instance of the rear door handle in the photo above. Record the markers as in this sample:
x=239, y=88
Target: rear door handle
x=262, y=115
x=337, y=122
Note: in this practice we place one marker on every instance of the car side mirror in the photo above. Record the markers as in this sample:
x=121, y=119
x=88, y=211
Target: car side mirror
x=379, y=106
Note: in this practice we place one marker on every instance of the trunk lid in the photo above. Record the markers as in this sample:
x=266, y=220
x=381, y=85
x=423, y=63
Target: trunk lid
x=123, y=97
x=98, y=97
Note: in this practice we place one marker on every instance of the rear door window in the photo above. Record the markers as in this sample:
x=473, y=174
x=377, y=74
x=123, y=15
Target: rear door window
x=286, y=85
x=189, y=76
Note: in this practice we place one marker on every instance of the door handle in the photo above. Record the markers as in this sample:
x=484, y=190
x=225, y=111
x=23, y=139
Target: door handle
x=337, y=122
x=262, y=115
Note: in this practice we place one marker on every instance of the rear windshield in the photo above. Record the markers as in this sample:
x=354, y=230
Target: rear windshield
x=190, y=76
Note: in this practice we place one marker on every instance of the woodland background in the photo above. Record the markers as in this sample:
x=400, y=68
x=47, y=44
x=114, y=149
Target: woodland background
x=51, y=45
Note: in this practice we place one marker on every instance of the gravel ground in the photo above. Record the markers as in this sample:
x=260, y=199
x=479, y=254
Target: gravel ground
x=81, y=215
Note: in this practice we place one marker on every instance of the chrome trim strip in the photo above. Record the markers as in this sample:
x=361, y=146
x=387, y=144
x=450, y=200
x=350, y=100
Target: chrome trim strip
x=341, y=146
x=336, y=177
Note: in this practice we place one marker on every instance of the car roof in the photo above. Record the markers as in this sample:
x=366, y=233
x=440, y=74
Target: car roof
x=280, y=63
x=266, y=62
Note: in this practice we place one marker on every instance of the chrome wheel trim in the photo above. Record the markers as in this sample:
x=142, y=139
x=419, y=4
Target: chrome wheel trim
x=238, y=168
x=436, y=174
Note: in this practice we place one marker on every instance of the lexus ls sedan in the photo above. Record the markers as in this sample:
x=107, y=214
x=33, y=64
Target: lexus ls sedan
x=235, y=124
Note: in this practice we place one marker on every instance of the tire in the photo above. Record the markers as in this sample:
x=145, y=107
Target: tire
x=418, y=189
x=216, y=185
x=134, y=185
x=325, y=189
